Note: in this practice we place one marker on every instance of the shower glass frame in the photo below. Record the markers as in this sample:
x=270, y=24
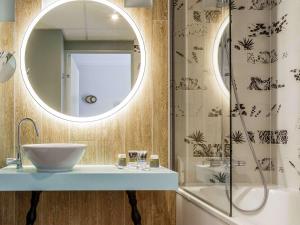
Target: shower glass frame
x=172, y=91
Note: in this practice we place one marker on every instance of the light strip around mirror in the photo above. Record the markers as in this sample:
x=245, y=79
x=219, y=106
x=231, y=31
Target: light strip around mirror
x=108, y=113
x=215, y=56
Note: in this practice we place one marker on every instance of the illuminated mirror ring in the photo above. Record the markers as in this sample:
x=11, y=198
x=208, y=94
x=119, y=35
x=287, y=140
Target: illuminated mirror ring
x=111, y=111
x=215, y=56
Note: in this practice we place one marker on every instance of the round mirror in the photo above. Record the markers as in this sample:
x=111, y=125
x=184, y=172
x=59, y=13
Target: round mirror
x=83, y=60
x=221, y=57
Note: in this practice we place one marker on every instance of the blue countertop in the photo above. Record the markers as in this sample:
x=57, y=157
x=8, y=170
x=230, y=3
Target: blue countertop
x=88, y=178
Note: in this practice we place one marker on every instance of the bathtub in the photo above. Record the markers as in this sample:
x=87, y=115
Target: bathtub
x=282, y=208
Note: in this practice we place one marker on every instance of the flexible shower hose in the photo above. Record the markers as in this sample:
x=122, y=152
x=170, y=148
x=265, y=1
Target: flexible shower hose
x=263, y=180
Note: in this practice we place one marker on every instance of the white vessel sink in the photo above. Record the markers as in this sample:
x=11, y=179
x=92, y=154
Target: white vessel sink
x=54, y=157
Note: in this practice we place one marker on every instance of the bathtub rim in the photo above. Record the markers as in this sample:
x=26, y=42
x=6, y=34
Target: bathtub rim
x=206, y=207
x=190, y=192
x=230, y=220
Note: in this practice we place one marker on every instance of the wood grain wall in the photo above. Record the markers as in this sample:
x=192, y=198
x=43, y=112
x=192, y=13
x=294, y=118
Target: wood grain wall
x=143, y=124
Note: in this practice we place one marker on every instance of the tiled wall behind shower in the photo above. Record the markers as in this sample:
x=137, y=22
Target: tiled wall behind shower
x=265, y=58
x=251, y=60
x=285, y=39
x=266, y=70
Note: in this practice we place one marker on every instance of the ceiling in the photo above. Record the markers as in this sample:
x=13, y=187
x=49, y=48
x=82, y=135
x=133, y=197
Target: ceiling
x=86, y=21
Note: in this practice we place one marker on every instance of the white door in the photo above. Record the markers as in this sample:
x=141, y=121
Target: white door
x=70, y=92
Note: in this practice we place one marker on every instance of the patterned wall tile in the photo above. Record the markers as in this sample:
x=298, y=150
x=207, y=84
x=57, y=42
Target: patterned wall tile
x=261, y=84
x=262, y=29
x=264, y=4
x=273, y=137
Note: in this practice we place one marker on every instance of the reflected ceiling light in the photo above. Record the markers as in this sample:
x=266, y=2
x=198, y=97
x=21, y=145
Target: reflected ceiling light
x=7, y=10
x=215, y=56
x=115, y=16
x=109, y=113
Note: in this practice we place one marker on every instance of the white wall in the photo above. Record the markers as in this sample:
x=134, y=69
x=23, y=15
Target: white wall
x=106, y=76
x=44, y=60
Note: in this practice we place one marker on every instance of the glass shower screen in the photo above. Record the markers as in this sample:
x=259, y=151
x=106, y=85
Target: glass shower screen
x=201, y=99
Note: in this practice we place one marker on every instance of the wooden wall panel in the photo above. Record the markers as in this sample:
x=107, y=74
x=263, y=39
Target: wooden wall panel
x=143, y=124
x=83, y=208
x=112, y=205
x=50, y=212
x=163, y=209
x=7, y=200
x=22, y=204
x=7, y=208
x=6, y=97
x=160, y=92
x=160, y=10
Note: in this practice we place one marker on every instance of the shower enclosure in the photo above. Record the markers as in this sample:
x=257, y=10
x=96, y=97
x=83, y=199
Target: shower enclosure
x=235, y=109
x=201, y=122
x=224, y=106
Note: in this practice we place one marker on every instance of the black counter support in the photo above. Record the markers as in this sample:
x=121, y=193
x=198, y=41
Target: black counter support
x=135, y=215
x=31, y=215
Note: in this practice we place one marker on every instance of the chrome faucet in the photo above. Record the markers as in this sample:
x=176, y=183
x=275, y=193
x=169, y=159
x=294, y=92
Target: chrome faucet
x=19, y=160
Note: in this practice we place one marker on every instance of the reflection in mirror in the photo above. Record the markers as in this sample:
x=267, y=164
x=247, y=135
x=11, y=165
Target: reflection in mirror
x=221, y=58
x=81, y=49
x=224, y=57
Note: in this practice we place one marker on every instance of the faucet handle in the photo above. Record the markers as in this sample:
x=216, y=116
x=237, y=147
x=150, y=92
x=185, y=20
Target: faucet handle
x=12, y=161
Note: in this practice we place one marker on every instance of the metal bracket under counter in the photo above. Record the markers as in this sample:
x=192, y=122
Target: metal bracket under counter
x=88, y=178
